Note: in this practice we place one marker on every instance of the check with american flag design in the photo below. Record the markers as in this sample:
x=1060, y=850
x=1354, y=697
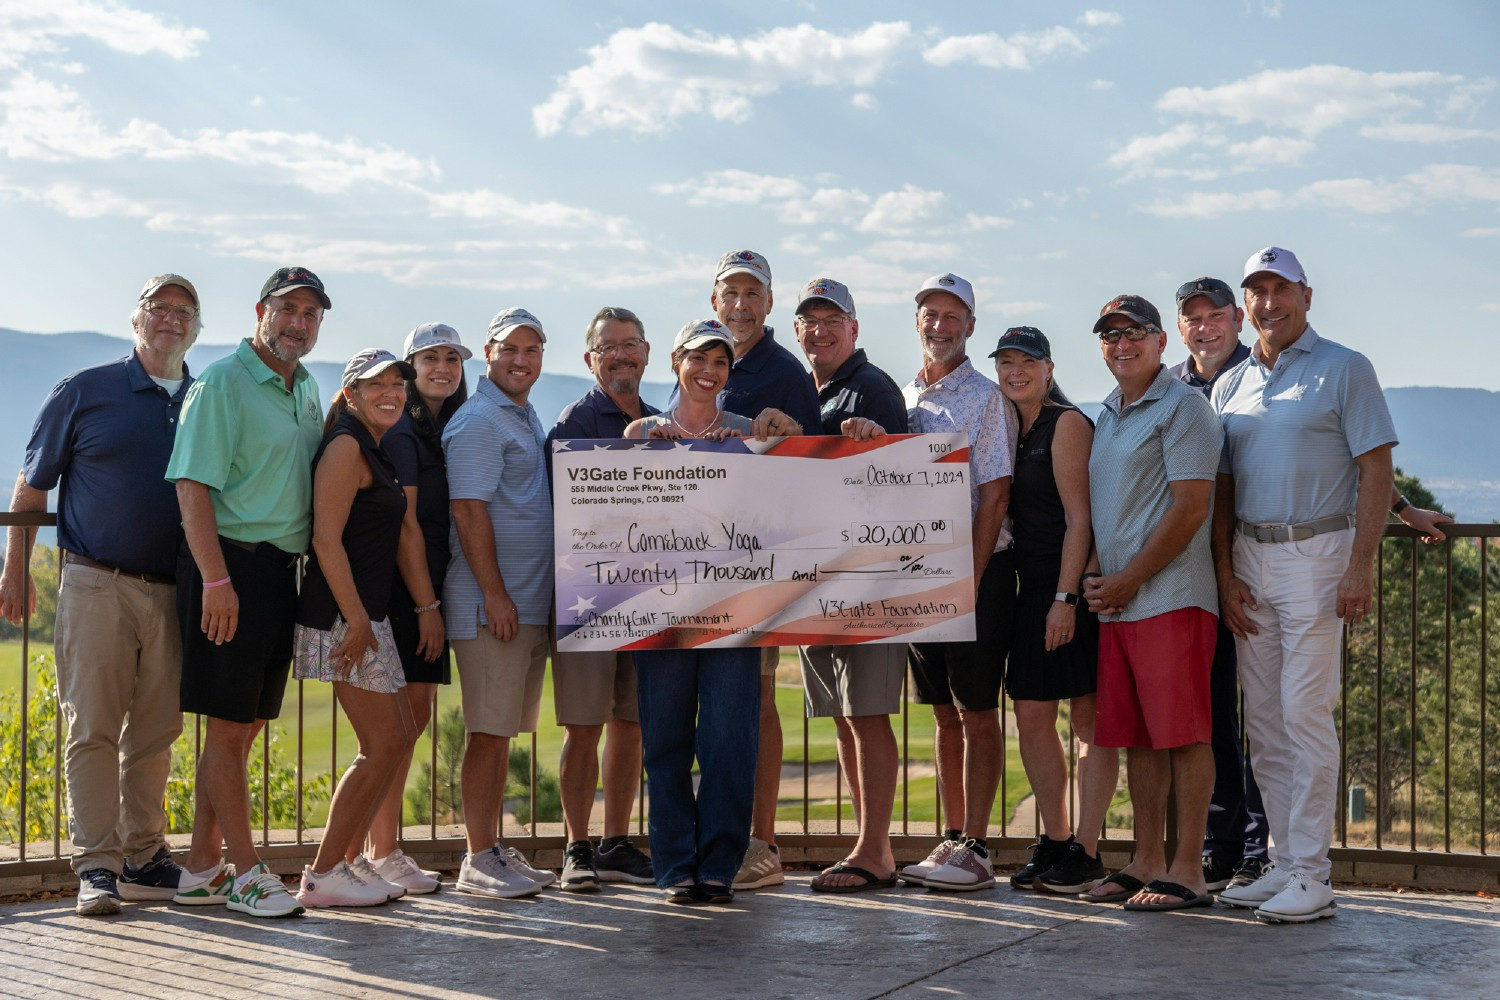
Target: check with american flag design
x=786, y=542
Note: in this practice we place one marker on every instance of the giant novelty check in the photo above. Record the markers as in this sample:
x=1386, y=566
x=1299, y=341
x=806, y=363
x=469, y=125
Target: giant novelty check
x=787, y=542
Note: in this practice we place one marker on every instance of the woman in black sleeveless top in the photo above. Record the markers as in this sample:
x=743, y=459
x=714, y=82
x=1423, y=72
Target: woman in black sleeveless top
x=1054, y=649
x=343, y=635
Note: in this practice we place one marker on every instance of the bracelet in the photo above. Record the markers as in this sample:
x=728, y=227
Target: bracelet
x=216, y=583
x=427, y=607
x=1401, y=504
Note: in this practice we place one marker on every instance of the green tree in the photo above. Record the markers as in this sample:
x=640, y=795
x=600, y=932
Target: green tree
x=37, y=751
x=445, y=781
x=45, y=575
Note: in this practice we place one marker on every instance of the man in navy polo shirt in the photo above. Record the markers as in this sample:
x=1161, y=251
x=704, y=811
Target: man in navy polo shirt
x=103, y=438
x=595, y=692
x=765, y=376
x=858, y=685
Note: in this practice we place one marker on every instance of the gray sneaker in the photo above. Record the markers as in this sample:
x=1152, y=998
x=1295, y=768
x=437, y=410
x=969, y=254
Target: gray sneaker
x=578, y=874
x=490, y=874
x=761, y=867
x=518, y=861
x=98, y=894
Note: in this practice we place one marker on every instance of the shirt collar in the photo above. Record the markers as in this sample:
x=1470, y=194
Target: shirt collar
x=1303, y=345
x=758, y=355
x=489, y=390
x=848, y=368
x=1155, y=390
x=259, y=370
x=953, y=380
x=140, y=380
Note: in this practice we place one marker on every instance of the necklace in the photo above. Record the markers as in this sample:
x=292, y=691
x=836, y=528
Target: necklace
x=718, y=415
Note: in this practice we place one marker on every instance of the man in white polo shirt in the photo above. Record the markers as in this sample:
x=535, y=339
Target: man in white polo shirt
x=1302, y=495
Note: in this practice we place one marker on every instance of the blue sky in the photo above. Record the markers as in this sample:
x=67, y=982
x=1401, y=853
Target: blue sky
x=447, y=161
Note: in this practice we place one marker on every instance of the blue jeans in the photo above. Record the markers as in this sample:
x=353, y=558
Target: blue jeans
x=702, y=703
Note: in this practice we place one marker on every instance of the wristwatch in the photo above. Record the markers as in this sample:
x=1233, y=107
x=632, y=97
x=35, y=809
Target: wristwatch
x=1401, y=504
x=1071, y=600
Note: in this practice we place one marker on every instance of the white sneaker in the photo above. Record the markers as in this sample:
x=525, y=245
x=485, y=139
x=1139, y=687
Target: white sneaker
x=491, y=874
x=259, y=893
x=397, y=868
x=760, y=868
x=341, y=886
x=917, y=874
x=518, y=861
x=361, y=866
x=209, y=890
x=966, y=870
x=1303, y=899
x=1272, y=880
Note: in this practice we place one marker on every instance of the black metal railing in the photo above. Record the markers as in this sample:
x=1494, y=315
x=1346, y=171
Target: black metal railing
x=1414, y=721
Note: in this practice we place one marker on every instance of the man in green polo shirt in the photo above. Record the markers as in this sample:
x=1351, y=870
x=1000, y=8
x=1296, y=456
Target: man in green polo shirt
x=242, y=465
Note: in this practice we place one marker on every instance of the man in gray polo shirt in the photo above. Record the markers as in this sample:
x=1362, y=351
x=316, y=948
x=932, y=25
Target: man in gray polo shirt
x=1302, y=495
x=1151, y=476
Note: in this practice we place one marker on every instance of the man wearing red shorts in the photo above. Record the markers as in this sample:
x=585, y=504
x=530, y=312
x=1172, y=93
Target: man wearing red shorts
x=1151, y=477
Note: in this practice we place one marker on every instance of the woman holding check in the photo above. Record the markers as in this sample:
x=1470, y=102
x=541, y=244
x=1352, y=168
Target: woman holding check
x=343, y=635
x=700, y=703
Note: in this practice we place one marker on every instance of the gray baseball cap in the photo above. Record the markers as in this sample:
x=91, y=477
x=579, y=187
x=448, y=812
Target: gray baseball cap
x=509, y=319
x=161, y=281
x=430, y=335
x=744, y=262
x=827, y=290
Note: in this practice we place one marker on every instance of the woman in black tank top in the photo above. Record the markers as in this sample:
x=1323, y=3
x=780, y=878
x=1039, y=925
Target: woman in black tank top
x=1055, y=638
x=343, y=633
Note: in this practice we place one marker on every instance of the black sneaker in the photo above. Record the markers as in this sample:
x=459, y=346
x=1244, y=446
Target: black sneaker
x=158, y=878
x=1217, y=872
x=1075, y=872
x=97, y=893
x=1248, y=871
x=578, y=874
x=1044, y=854
x=622, y=861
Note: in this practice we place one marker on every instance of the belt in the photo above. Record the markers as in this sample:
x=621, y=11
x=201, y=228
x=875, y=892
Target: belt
x=74, y=559
x=1296, y=532
x=263, y=549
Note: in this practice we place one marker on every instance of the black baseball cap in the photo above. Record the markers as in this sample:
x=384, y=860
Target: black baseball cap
x=1131, y=307
x=287, y=278
x=1027, y=340
x=1217, y=292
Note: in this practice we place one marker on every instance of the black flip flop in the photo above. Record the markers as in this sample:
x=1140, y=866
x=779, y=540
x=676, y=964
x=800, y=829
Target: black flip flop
x=1183, y=898
x=1129, y=886
x=871, y=880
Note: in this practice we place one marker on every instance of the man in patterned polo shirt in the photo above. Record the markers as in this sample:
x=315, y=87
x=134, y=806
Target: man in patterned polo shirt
x=1302, y=495
x=961, y=680
x=1151, y=478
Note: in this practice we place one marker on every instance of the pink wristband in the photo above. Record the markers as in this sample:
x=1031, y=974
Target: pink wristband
x=216, y=583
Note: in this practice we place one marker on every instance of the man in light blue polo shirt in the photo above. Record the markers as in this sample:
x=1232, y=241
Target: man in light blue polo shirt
x=1151, y=479
x=497, y=597
x=1302, y=494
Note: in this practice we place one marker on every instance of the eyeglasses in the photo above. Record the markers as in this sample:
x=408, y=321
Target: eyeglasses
x=1130, y=333
x=631, y=346
x=832, y=324
x=159, y=310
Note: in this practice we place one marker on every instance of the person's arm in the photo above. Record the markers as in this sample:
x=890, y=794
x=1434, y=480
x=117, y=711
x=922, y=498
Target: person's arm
x=1071, y=441
x=221, y=605
x=342, y=472
x=1190, y=504
x=476, y=536
x=1357, y=588
x=17, y=589
x=1420, y=518
x=411, y=560
x=1234, y=594
x=994, y=501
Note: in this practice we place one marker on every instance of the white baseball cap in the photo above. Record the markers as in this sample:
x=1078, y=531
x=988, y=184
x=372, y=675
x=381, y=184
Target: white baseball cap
x=744, y=262
x=1277, y=261
x=430, y=335
x=509, y=319
x=700, y=332
x=950, y=283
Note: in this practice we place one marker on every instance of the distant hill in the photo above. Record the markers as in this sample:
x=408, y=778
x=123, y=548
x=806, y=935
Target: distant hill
x=1447, y=435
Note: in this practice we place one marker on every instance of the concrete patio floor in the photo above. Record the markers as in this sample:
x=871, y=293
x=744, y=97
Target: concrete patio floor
x=782, y=942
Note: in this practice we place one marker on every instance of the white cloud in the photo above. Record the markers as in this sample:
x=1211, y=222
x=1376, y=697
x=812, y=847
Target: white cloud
x=1052, y=255
x=888, y=213
x=646, y=79
x=487, y=206
x=78, y=202
x=864, y=101
x=1100, y=19
x=1309, y=100
x=1453, y=183
x=734, y=187
x=1481, y=232
x=1271, y=151
x=1183, y=144
x=1102, y=85
x=1425, y=132
x=1271, y=8
x=28, y=29
x=980, y=223
x=1018, y=51
x=1493, y=307
x=912, y=250
x=898, y=211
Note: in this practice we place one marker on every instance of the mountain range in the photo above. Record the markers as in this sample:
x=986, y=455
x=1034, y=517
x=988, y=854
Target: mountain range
x=1446, y=433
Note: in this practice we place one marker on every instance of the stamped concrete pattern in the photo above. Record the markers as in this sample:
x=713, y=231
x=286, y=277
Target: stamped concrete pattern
x=783, y=942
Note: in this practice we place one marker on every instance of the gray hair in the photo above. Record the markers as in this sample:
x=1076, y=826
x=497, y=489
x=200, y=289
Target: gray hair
x=618, y=313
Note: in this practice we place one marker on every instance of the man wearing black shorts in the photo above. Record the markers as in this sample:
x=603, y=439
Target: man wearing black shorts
x=961, y=680
x=242, y=465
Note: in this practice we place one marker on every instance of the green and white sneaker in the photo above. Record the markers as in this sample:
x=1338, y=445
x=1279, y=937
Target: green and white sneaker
x=260, y=893
x=211, y=891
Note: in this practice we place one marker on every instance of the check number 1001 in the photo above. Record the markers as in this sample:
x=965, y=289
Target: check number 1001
x=887, y=533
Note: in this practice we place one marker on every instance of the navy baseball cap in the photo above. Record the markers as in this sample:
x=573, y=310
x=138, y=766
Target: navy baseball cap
x=1027, y=340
